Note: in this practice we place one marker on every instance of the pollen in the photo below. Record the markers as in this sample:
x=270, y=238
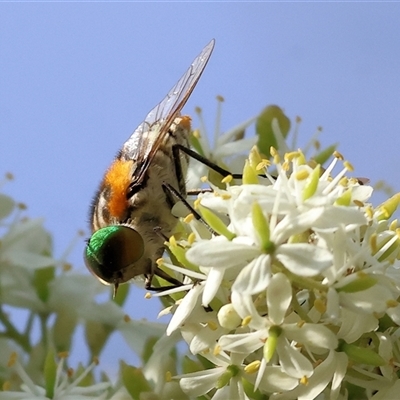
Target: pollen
x=118, y=178
x=186, y=122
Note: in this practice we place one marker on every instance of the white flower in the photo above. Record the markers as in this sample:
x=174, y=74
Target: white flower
x=226, y=377
x=61, y=388
x=276, y=336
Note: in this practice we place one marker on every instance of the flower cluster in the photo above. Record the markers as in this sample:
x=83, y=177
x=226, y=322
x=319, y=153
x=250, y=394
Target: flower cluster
x=294, y=293
x=290, y=289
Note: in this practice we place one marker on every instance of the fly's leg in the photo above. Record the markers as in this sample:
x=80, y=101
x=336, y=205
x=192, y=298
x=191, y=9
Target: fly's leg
x=159, y=272
x=171, y=190
x=178, y=168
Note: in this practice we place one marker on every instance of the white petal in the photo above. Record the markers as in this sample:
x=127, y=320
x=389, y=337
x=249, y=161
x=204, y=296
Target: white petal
x=320, y=378
x=388, y=392
x=373, y=299
x=212, y=285
x=279, y=296
x=137, y=333
x=340, y=372
x=243, y=343
x=244, y=306
x=236, y=147
x=294, y=223
x=254, y=278
x=355, y=324
x=394, y=313
x=275, y=380
x=221, y=253
x=332, y=304
x=199, y=383
x=232, y=391
x=185, y=308
x=230, y=135
x=335, y=216
x=292, y=361
x=312, y=335
x=304, y=259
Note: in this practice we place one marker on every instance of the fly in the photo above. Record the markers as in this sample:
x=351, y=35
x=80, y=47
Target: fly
x=131, y=212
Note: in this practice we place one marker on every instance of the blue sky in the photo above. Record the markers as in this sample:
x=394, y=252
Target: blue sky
x=77, y=78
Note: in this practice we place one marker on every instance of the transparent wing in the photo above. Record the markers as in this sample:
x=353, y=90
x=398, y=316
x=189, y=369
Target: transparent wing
x=142, y=147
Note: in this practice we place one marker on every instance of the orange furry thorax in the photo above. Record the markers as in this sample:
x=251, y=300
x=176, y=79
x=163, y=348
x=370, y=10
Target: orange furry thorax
x=118, y=179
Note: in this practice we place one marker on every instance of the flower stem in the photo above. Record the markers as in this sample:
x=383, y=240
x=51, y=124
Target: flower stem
x=12, y=333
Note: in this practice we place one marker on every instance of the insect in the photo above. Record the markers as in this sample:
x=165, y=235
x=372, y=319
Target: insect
x=131, y=212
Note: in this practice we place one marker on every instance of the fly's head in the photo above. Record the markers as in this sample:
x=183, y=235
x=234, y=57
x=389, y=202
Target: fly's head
x=112, y=252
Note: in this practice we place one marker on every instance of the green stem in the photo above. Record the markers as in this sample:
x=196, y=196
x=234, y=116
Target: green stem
x=299, y=309
x=12, y=333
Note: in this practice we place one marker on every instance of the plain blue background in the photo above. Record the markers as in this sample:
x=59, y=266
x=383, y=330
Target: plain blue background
x=77, y=78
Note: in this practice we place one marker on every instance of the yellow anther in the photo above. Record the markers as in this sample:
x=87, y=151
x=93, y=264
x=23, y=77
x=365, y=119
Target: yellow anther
x=348, y=166
x=189, y=218
x=161, y=261
x=291, y=156
x=217, y=350
x=304, y=381
x=263, y=164
x=392, y=303
x=252, y=367
x=301, y=175
x=196, y=134
x=320, y=306
x=246, y=320
x=338, y=155
x=212, y=325
x=227, y=179
x=191, y=238
x=358, y=203
x=12, y=360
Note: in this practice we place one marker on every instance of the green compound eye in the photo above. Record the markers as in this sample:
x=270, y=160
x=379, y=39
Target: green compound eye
x=112, y=249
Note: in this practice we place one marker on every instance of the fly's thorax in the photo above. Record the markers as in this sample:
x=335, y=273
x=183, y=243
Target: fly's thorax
x=111, y=203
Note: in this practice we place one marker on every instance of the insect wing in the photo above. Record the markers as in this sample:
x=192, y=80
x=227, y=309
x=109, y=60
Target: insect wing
x=139, y=146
